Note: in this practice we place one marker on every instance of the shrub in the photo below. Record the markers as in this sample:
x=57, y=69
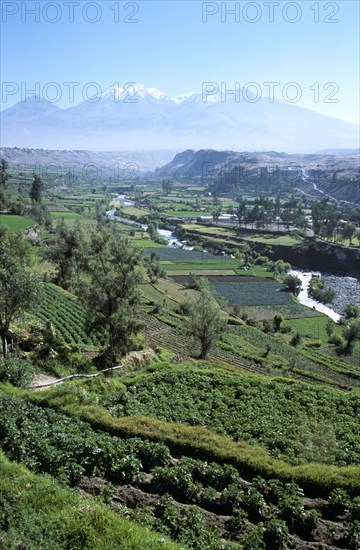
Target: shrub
x=336, y=340
x=238, y=521
x=339, y=501
x=17, y=371
x=296, y=339
x=276, y=533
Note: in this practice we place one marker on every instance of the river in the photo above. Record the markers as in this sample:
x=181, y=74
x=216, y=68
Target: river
x=347, y=289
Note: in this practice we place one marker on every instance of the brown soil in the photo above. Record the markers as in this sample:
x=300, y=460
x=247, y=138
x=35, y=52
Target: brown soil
x=328, y=535
x=181, y=279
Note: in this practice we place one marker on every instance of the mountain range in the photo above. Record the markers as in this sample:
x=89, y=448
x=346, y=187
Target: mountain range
x=119, y=119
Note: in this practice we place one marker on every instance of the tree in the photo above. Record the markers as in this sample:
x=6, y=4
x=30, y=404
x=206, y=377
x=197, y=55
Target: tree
x=357, y=234
x=19, y=289
x=280, y=267
x=153, y=267
x=352, y=311
x=166, y=186
x=293, y=284
x=36, y=189
x=329, y=327
x=204, y=324
x=241, y=212
x=4, y=176
x=278, y=319
x=107, y=289
x=349, y=232
x=64, y=253
x=352, y=332
x=217, y=208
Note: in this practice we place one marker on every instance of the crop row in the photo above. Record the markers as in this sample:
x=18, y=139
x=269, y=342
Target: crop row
x=252, y=293
x=46, y=441
x=67, y=448
x=66, y=315
x=333, y=363
x=297, y=358
x=293, y=421
x=176, y=254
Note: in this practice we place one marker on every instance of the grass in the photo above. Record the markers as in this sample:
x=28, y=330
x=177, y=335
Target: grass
x=166, y=290
x=38, y=512
x=253, y=236
x=146, y=243
x=288, y=311
x=311, y=327
x=16, y=224
x=200, y=441
x=66, y=216
x=131, y=211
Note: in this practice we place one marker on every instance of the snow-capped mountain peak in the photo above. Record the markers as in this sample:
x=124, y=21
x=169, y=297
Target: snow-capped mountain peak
x=130, y=91
x=133, y=116
x=183, y=97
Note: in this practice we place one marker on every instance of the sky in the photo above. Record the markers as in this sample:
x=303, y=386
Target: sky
x=308, y=50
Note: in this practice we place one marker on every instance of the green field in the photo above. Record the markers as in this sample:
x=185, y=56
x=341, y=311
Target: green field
x=16, y=224
x=254, y=447
x=318, y=426
x=312, y=328
x=227, y=234
x=146, y=243
x=66, y=314
x=252, y=293
x=66, y=216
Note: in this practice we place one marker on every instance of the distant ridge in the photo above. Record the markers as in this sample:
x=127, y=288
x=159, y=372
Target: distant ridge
x=146, y=118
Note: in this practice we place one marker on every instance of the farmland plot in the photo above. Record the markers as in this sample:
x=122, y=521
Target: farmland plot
x=176, y=254
x=246, y=292
x=66, y=314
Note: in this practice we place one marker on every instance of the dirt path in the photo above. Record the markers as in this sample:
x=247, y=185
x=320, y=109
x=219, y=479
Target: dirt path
x=42, y=381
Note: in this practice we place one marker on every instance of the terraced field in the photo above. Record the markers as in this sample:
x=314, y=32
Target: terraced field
x=66, y=314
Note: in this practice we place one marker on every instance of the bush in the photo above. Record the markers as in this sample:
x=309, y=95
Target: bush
x=314, y=344
x=17, y=371
x=276, y=533
x=339, y=501
x=336, y=340
x=296, y=339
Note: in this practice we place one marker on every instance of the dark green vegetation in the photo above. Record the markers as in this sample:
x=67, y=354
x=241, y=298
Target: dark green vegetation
x=66, y=314
x=296, y=422
x=261, y=293
x=157, y=486
x=255, y=446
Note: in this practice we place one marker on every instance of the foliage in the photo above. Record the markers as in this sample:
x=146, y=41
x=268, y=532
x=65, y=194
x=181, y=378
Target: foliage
x=67, y=316
x=320, y=424
x=278, y=319
x=31, y=435
x=351, y=311
x=19, y=289
x=4, y=177
x=36, y=189
x=63, y=254
x=107, y=289
x=17, y=371
x=204, y=323
x=318, y=291
x=351, y=332
x=293, y=284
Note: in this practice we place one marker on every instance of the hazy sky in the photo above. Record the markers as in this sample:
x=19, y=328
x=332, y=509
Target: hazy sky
x=176, y=46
